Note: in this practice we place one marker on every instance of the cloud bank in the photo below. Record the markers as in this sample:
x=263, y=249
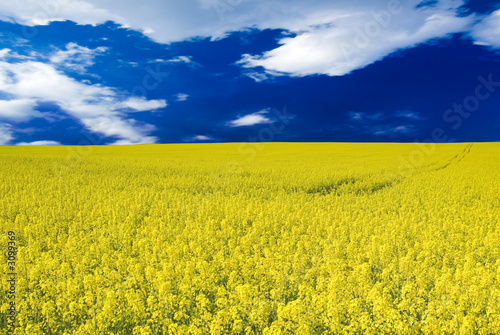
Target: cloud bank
x=330, y=38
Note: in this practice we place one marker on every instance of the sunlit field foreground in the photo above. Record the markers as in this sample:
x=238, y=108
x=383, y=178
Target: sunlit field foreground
x=237, y=239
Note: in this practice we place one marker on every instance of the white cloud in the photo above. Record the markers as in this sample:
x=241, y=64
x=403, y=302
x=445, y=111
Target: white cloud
x=164, y=21
x=19, y=110
x=4, y=52
x=128, y=130
x=34, y=13
x=147, y=31
x=257, y=76
x=5, y=133
x=188, y=60
x=354, y=39
x=142, y=105
x=8, y=53
x=250, y=119
x=487, y=32
x=202, y=138
x=199, y=138
x=76, y=57
x=169, y=21
x=180, y=59
x=99, y=108
x=38, y=143
x=182, y=97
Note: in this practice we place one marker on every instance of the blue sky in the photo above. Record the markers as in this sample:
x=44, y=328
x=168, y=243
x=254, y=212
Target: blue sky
x=123, y=72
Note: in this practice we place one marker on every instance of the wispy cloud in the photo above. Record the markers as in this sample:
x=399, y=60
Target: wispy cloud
x=187, y=60
x=409, y=115
x=5, y=133
x=391, y=130
x=384, y=130
x=487, y=32
x=361, y=116
x=371, y=117
x=7, y=53
x=384, y=124
x=182, y=97
x=257, y=76
x=180, y=59
x=75, y=57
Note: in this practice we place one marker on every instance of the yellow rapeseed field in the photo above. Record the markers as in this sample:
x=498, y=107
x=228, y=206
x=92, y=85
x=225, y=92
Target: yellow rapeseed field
x=274, y=238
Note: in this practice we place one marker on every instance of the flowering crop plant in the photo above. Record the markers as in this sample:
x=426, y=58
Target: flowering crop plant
x=298, y=238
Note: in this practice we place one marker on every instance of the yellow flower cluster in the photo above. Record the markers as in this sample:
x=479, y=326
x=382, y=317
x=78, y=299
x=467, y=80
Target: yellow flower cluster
x=298, y=239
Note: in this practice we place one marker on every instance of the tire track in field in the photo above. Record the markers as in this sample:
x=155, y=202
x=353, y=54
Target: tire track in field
x=351, y=186
x=458, y=157
x=465, y=152
x=355, y=186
